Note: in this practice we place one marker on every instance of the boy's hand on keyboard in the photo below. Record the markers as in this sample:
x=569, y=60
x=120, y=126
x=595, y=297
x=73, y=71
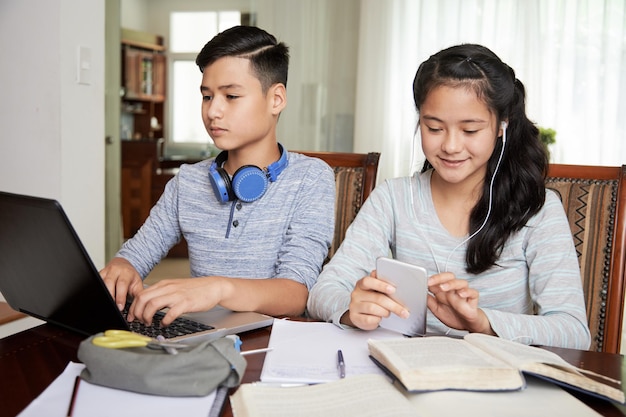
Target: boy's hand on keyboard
x=183, y=295
x=121, y=279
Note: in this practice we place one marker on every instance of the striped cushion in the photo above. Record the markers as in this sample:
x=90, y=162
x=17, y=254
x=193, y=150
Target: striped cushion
x=590, y=208
x=349, y=187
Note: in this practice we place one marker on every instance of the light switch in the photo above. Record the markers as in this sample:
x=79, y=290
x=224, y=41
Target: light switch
x=84, y=65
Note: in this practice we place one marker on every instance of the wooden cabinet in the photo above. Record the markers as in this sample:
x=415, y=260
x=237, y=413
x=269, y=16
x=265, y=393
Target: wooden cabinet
x=144, y=175
x=143, y=96
x=140, y=159
x=143, y=86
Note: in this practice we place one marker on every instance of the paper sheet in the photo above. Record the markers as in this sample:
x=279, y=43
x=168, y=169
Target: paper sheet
x=359, y=395
x=306, y=352
x=95, y=401
x=540, y=398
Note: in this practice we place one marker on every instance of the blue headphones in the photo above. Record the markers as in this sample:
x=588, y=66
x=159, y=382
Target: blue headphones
x=249, y=182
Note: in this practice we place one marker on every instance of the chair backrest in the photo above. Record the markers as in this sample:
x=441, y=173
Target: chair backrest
x=594, y=199
x=355, y=178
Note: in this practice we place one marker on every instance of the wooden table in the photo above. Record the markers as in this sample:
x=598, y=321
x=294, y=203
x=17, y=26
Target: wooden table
x=32, y=359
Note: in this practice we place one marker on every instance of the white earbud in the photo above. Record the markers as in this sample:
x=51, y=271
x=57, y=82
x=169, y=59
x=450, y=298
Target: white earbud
x=504, y=125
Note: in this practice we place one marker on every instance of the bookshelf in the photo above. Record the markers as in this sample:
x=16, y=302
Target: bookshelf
x=143, y=85
x=143, y=97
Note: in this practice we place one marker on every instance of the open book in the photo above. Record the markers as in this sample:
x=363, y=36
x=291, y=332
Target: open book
x=374, y=395
x=480, y=362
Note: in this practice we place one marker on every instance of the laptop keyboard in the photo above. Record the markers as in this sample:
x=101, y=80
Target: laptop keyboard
x=179, y=327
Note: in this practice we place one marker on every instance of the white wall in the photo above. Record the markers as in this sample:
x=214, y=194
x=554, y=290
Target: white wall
x=52, y=140
x=133, y=15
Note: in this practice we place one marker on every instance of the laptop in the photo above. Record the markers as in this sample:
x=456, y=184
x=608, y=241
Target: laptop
x=46, y=272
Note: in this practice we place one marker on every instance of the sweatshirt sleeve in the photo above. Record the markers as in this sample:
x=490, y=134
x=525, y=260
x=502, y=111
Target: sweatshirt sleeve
x=367, y=238
x=555, y=287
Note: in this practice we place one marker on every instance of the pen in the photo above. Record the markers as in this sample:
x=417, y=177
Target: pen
x=70, y=410
x=252, y=351
x=341, y=364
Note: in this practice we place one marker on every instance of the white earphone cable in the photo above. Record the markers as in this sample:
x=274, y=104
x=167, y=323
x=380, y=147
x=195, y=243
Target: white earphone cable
x=493, y=177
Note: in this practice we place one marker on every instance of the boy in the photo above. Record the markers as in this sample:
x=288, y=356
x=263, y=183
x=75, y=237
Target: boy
x=241, y=222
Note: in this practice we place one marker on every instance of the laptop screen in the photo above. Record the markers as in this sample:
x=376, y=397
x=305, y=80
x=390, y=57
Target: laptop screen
x=46, y=272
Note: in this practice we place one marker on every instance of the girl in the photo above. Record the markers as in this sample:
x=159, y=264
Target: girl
x=496, y=245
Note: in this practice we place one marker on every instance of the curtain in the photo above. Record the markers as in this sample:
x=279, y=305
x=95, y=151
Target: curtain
x=570, y=55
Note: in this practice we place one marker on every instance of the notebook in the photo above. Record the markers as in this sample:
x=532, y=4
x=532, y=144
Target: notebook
x=46, y=272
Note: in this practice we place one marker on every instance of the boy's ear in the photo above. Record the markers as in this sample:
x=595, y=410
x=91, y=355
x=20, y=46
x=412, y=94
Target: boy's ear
x=277, y=97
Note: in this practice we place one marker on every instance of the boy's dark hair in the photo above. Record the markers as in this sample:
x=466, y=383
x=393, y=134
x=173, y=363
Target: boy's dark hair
x=519, y=186
x=269, y=59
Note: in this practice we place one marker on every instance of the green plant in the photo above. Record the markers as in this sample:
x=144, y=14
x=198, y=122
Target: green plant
x=547, y=136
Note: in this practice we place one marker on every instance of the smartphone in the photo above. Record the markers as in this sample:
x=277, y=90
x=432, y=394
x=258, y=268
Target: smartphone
x=411, y=284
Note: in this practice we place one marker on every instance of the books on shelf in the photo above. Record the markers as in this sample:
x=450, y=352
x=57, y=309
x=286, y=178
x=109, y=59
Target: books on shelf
x=480, y=362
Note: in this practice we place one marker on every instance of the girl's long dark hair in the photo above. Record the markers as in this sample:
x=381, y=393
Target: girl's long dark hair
x=519, y=188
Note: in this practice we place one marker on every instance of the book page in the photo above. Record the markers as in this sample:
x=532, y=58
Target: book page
x=433, y=352
x=439, y=362
x=540, y=398
x=543, y=363
x=360, y=395
x=517, y=354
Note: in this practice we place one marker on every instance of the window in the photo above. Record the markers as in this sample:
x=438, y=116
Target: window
x=189, y=32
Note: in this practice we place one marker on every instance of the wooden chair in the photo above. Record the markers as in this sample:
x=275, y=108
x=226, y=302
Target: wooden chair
x=355, y=178
x=594, y=199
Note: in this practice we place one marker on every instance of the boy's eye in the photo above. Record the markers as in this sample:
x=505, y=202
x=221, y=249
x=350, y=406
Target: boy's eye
x=206, y=98
x=231, y=97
